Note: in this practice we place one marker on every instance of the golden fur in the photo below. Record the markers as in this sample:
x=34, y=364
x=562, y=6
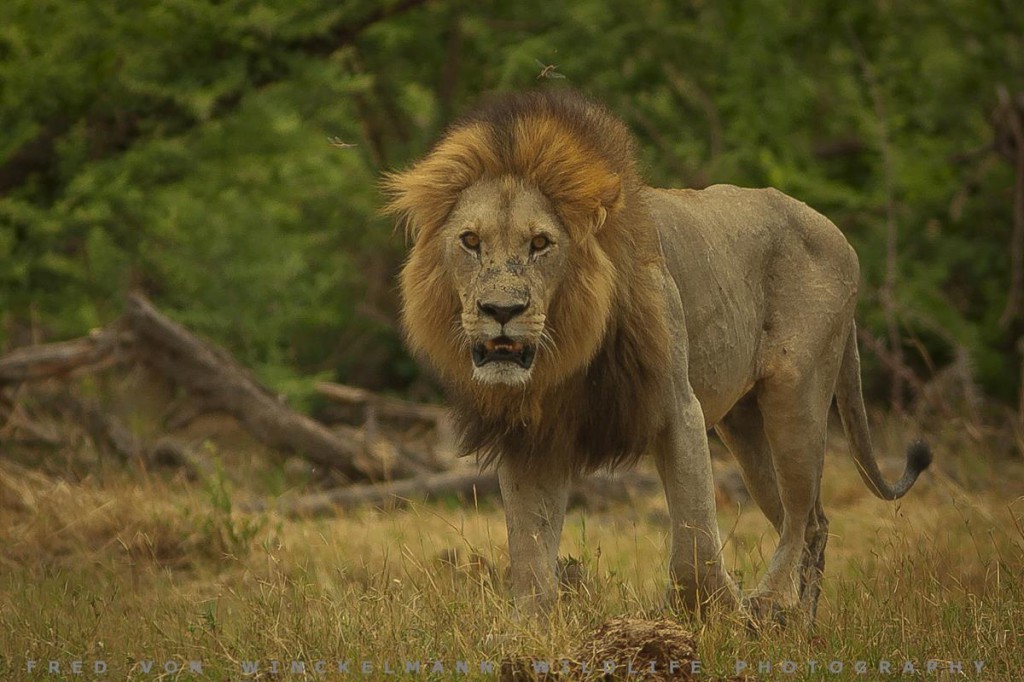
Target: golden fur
x=595, y=398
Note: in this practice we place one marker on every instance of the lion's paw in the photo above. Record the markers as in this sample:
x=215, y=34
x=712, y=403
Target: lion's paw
x=764, y=612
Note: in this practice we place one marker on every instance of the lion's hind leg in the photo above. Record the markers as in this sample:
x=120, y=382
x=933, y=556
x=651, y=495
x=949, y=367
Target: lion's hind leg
x=794, y=407
x=742, y=430
x=812, y=565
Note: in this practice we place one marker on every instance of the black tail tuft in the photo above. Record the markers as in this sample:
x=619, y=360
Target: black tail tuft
x=919, y=456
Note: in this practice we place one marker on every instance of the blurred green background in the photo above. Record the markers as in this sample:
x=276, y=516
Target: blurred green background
x=183, y=147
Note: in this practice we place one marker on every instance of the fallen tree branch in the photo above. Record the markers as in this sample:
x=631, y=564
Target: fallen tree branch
x=210, y=372
x=14, y=419
x=107, y=431
x=382, y=406
x=597, y=491
x=216, y=382
x=468, y=484
x=171, y=452
x=44, y=361
x=891, y=361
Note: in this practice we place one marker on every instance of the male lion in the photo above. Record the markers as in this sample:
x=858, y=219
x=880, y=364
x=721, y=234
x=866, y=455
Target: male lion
x=579, y=319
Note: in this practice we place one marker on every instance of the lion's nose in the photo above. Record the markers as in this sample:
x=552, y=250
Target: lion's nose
x=501, y=313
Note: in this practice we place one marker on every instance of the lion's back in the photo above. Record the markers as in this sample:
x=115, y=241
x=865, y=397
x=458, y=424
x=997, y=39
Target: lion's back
x=742, y=259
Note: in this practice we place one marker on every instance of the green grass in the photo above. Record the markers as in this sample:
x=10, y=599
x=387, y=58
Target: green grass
x=126, y=567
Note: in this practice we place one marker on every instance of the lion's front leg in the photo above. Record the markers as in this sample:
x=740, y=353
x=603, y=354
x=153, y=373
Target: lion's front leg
x=696, y=572
x=534, y=504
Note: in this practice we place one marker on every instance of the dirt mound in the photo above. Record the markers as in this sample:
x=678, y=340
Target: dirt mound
x=646, y=644
x=621, y=649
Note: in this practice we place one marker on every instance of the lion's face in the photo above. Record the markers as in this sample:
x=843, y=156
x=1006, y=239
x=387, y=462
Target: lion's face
x=508, y=254
x=518, y=219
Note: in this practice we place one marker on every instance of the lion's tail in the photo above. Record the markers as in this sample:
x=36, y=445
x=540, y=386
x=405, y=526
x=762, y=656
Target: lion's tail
x=850, y=399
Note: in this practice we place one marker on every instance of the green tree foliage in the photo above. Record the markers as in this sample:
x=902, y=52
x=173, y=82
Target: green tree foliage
x=182, y=146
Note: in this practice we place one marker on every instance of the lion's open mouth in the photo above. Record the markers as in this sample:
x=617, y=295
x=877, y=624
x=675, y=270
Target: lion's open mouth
x=503, y=349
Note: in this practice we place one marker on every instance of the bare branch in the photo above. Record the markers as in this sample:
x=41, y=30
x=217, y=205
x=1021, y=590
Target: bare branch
x=209, y=371
x=32, y=363
x=468, y=484
x=382, y=406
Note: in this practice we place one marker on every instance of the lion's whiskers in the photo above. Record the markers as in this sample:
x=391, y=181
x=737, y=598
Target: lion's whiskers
x=461, y=337
x=547, y=342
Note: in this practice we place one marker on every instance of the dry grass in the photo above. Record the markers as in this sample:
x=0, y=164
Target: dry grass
x=126, y=568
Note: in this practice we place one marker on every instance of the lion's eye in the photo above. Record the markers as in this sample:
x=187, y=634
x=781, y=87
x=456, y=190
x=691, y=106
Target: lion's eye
x=471, y=240
x=539, y=243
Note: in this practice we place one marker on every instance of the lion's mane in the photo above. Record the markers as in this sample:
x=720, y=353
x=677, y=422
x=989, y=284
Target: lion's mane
x=600, y=399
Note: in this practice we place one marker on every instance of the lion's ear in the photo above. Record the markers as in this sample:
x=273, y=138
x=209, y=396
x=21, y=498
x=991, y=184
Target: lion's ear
x=609, y=201
x=588, y=204
x=422, y=196
x=398, y=206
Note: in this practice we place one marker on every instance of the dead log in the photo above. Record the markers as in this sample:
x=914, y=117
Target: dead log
x=596, y=491
x=466, y=484
x=382, y=406
x=217, y=382
x=173, y=453
x=371, y=410
x=106, y=431
x=599, y=491
x=214, y=376
x=33, y=363
x=16, y=425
